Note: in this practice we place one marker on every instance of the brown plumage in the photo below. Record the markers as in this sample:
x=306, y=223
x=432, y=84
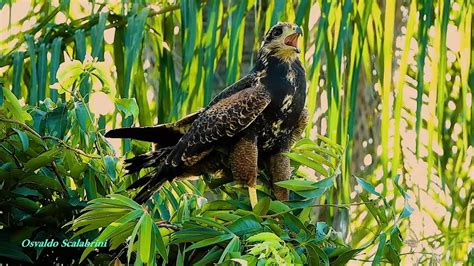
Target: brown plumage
x=254, y=120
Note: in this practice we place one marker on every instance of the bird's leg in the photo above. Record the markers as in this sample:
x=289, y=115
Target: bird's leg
x=243, y=164
x=280, y=170
x=279, y=164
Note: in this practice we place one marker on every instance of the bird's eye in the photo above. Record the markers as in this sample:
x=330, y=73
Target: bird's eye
x=276, y=32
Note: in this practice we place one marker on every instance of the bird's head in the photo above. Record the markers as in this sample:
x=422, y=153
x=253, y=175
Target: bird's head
x=282, y=41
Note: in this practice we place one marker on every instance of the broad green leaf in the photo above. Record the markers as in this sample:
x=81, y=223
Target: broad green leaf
x=278, y=206
x=41, y=160
x=83, y=116
x=44, y=181
x=262, y=206
x=128, y=106
x=102, y=72
x=67, y=74
x=14, y=107
x=110, y=163
x=245, y=225
x=26, y=204
x=264, y=237
x=57, y=121
x=145, y=238
x=25, y=141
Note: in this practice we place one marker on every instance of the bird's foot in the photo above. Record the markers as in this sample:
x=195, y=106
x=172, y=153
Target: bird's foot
x=253, y=196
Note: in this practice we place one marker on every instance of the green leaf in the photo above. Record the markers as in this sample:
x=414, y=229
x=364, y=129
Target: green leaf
x=311, y=194
x=131, y=241
x=145, y=238
x=41, y=160
x=210, y=222
x=245, y=225
x=210, y=241
x=18, y=58
x=101, y=72
x=25, y=142
x=304, y=160
x=14, y=107
x=67, y=74
x=82, y=115
x=54, y=65
x=345, y=257
x=24, y=191
x=125, y=201
x=407, y=209
x=33, y=86
x=128, y=106
x=14, y=252
x=367, y=186
x=297, y=184
x=378, y=255
x=162, y=249
x=316, y=254
x=26, y=204
x=233, y=246
x=44, y=181
x=42, y=63
x=278, y=206
x=264, y=237
x=262, y=206
x=114, y=227
x=57, y=121
x=110, y=164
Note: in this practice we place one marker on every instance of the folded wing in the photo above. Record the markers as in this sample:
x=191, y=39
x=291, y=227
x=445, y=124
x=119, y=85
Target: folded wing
x=221, y=121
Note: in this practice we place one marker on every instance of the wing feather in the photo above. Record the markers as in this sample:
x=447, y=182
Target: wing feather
x=224, y=119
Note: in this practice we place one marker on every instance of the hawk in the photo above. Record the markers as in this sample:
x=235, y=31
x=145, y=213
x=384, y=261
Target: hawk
x=246, y=127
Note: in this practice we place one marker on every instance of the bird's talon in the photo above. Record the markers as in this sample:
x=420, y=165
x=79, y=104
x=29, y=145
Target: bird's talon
x=253, y=196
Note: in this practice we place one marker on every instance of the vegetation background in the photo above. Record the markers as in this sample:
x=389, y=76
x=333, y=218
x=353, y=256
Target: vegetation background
x=383, y=175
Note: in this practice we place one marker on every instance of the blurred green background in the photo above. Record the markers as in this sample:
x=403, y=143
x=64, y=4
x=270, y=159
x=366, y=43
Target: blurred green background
x=388, y=81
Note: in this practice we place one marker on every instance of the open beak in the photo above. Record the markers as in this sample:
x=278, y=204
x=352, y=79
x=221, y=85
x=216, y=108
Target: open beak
x=292, y=39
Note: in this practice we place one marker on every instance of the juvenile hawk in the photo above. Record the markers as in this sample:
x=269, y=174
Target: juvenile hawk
x=250, y=123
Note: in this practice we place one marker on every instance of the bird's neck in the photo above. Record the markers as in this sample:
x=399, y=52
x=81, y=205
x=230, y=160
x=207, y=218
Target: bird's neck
x=265, y=56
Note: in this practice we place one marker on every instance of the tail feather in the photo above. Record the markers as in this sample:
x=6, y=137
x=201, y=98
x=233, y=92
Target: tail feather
x=165, y=136
x=151, y=159
x=153, y=180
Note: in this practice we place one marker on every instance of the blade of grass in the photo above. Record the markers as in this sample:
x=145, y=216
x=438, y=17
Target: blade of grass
x=54, y=65
x=17, y=73
x=42, y=71
x=424, y=22
x=387, y=83
x=410, y=31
